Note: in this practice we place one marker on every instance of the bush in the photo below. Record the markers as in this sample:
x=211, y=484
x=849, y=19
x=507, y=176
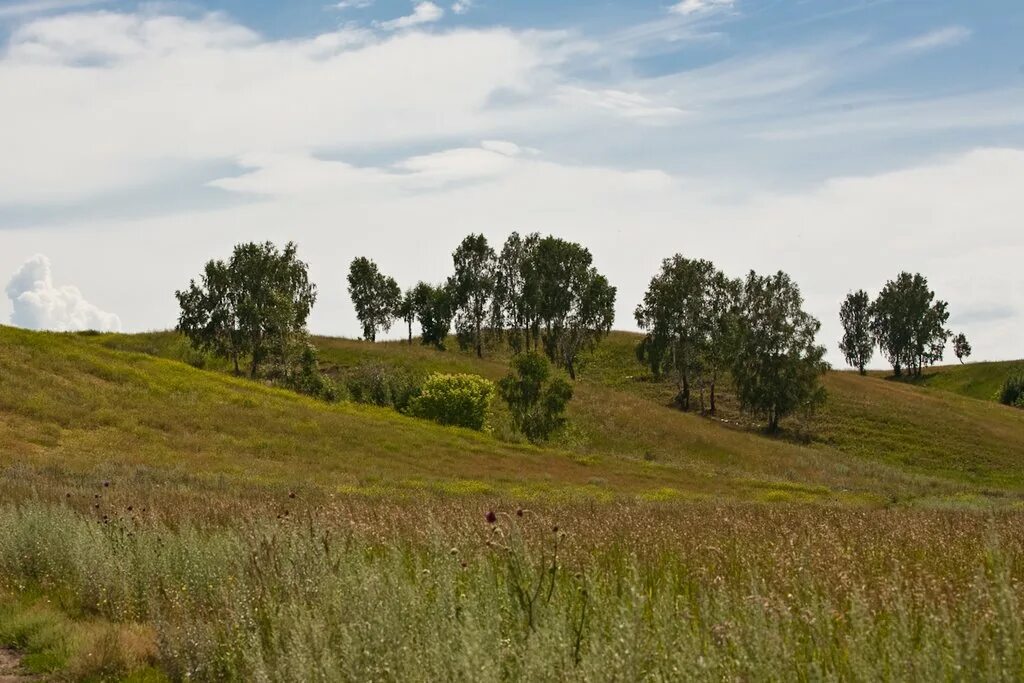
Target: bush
x=460, y=400
x=379, y=384
x=1012, y=393
x=536, y=398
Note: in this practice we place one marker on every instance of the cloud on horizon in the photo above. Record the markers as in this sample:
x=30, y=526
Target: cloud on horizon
x=39, y=304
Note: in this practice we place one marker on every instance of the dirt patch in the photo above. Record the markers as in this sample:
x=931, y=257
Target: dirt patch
x=10, y=668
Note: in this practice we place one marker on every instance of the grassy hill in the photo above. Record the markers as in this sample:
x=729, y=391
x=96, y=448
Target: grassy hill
x=977, y=380
x=134, y=406
x=160, y=520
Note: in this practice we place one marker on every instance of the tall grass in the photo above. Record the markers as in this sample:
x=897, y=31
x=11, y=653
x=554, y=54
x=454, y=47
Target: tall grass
x=435, y=592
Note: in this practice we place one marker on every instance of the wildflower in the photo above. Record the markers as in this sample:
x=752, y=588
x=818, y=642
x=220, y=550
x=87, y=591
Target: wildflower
x=519, y=512
x=106, y=484
x=291, y=494
x=491, y=517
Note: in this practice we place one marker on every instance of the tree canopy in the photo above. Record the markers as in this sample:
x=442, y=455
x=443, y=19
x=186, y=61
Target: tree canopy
x=857, y=344
x=375, y=296
x=254, y=305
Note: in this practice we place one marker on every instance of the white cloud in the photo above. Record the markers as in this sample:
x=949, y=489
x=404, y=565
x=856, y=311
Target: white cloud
x=23, y=9
x=462, y=6
x=422, y=13
x=38, y=304
x=688, y=7
x=82, y=125
x=943, y=37
x=353, y=4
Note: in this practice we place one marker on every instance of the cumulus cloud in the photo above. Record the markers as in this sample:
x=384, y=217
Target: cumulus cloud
x=462, y=6
x=39, y=304
x=21, y=9
x=422, y=13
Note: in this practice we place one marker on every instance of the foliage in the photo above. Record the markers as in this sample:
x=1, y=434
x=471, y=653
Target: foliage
x=433, y=308
x=298, y=369
x=961, y=347
x=857, y=344
x=406, y=310
x=576, y=304
x=376, y=297
x=460, y=400
x=778, y=366
x=253, y=305
x=690, y=312
x=516, y=292
x=472, y=290
x=1012, y=392
x=382, y=384
x=909, y=324
x=536, y=398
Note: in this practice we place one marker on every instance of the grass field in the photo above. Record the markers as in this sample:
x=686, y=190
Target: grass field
x=163, y=521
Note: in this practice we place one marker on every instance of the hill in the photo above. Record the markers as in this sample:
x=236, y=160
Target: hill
x=162, y=521
x=875, y=441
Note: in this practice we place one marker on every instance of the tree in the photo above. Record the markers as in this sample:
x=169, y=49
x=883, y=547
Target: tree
x=514, y=304
x=575, y=303
x=719, y=324
x=472, y=288
x=375, y=296
x=961, y=347
x=536, y=399
x=857, y=344
x=254, y=305
x=909, y=324
x=434, y=312
x=407, y=310
x=674, y=312
x=778, y=365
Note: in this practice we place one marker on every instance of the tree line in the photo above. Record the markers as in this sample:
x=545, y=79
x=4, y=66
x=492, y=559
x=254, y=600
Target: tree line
x=543, y=295
x=906, y=323
x=537, y=293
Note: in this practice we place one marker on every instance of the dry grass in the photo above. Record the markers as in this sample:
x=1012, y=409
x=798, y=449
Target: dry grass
x=157, y=519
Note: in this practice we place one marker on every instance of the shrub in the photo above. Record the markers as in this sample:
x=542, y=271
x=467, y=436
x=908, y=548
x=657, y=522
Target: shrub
x=1012, y=393
x=460, y=400
x=536, y=399
x=379, y=384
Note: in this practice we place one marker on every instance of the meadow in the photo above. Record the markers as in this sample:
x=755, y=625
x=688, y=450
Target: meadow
x=162, y=521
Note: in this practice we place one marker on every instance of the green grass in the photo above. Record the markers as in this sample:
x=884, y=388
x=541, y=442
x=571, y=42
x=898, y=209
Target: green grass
x=180, y=521
x=976, y=380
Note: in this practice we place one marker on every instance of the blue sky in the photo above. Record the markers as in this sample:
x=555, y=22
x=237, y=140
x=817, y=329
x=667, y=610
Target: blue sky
x=841, y=141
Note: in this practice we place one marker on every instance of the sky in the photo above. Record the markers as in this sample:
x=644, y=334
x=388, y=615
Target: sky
x=839, y=140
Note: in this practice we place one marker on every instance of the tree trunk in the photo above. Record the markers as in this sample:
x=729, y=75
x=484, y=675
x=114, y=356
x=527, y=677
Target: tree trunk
x=253, y=368
x=712, y=397
x=479, y=342
x=410, y=333
x=234, y=357
x=570, y=366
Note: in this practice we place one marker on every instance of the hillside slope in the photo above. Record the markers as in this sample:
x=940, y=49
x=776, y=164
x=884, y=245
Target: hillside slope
x=123, y=405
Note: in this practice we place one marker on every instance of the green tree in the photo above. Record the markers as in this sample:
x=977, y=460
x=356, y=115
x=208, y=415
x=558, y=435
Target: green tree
x=514, y=305
x=575, y=303
x=254, y=305
x=535, y=396
x=857, y=344
x=961, y=347
x=908, y=323
x=720, y=321
x=675, y=314
x=375, y=296
x=778, y=366
x=434, y=312
x=472, y=289
x=407, y=310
